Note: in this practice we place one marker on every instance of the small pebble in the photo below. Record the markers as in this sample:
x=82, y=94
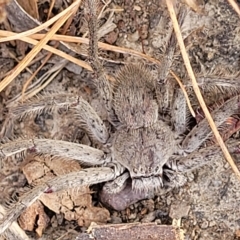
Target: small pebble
x=150, y=217
x=60, y=219
x=128, y=211
x=144, y=31
x=204, y=225
x=158, y=221
x=115, y=214
x=212, y=223
x=179, y=210
x=145, y=42
x=54, y=223
x=116, y=220
x=133, y=37
x=137, y=8
x=132, y=207
x=144, y=211
x=132, y=216
x=149, y=204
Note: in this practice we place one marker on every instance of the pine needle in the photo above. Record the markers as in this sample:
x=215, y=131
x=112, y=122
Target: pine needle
x=29, y=57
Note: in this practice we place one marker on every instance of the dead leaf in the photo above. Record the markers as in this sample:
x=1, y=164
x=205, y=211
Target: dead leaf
x=27, y=220
x=92, y=214
x=74, y=204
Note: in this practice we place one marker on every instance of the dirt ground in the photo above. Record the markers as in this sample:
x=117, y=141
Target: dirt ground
x=208, y=204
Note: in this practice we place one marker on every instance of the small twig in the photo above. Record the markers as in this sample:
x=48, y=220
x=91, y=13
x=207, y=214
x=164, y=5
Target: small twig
x=72, y=39
x=50, y=49
x=184, y=93
x=235, y=6
x=66, y=26
x=196, y=88
x=51, y=8
x=29, y=57
x=43, y=26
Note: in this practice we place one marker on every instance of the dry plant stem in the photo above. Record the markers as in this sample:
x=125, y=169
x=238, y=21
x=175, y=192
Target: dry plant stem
x=66, y=26
x=71, y=180
x=53, y=50
x=196, y=88
x=51, y=8
x=16, y=59
x=101, y=45
x=42, y=26
x=235, y=6
x=72, y=39
x=26, y=84
x=45, y=81
x=33, y=52
x=184, y=92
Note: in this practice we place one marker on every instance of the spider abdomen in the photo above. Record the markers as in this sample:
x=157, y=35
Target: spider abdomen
x=133, y=101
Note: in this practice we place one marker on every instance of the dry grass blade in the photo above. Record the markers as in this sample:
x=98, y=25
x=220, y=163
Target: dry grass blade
x=7, y=80
x=235, y=6
x=196, y=88
x=184, y=92
x=57, y=37
x=51, y=8
x=26, y=84
x=50, y=49
x=43, y=26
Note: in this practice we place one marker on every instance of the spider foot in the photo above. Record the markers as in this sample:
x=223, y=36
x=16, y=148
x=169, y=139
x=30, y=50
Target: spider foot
x=174, y=179
x=116, y=185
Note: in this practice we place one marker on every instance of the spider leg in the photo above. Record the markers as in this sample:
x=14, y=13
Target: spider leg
x=231, y=82
x=90, y=120
x=182, y=164
x=180, y=113
x=42, y=103
x=84, y=177
x=102, y=84
x=85, y=154
x=200, y=157
x=202, y=131
x=117, y=184
x=165, y=87
x=83, y=113
x=14, y=231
